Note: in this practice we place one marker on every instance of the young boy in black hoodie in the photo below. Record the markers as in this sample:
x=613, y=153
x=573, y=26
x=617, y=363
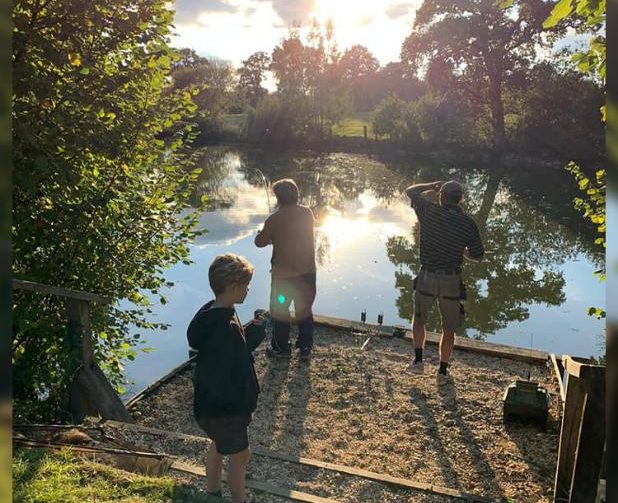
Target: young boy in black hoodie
x=225, y=384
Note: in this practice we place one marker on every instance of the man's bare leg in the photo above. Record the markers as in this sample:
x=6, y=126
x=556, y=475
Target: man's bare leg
x=447, y=341
x=418, y=333
x=214, y=464
x=236, y=475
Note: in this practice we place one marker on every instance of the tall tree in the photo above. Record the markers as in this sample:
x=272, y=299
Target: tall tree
x=309, y=82
x=251, y=75
x=359, y=67
x=97, y=190
x=358, y=62
x=482, y=42
x=213, y=82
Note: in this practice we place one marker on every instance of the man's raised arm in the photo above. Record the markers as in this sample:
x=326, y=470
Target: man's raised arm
x=419, y=188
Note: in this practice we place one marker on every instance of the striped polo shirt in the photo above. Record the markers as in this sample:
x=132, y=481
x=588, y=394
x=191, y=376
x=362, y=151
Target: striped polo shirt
x=445, y=231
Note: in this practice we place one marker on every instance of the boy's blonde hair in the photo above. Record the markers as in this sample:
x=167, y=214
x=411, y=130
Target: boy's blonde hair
x=229, y=269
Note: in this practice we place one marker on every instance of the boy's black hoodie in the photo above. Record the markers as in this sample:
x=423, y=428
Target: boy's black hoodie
x=225, y=381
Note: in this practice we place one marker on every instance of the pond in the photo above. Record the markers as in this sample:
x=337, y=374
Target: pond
x=533, y=289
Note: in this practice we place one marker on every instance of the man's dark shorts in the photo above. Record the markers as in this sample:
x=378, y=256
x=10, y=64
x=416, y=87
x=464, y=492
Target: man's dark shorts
x=229, y=433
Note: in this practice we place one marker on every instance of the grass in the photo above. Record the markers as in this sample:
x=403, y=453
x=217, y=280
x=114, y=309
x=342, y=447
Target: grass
x=353, y=126
x=42, y=476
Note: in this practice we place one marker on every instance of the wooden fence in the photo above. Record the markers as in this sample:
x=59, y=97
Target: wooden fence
x=89, y=391
x=582, y=435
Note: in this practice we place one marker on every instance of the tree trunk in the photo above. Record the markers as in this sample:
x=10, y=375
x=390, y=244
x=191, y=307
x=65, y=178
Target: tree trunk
x=493, y=184
x=497, y=113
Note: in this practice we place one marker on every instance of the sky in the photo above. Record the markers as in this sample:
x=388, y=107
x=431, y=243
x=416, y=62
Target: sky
x=232, y=30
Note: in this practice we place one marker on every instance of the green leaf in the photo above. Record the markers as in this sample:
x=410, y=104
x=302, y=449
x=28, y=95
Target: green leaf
x=85, y=70
x=561, y=10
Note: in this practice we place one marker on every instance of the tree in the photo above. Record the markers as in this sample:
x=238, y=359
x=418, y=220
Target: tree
x=396, y=79
x=357, y=62
x=388, y=118
x=440, y=119
x=592, y=15
x=546, y=126
x=97, y=190
x=213, y=81
x=358, y=66
x=250, y=76
x=188, y=58
x=482, y=42
x=309, y=81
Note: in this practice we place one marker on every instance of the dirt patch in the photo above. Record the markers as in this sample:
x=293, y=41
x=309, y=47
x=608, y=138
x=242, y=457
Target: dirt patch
x=364, y=409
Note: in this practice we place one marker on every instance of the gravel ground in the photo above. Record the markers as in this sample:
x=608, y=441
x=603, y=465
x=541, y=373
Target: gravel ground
x=363, y=409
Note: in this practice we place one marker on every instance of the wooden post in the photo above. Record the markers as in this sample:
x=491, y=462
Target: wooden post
x=365, y=131
x=582, y=436
x=90, y=393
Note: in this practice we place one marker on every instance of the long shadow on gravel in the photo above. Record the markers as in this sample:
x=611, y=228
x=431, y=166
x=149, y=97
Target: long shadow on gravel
x=419, y=400
x=271, y=386
x=486, y=475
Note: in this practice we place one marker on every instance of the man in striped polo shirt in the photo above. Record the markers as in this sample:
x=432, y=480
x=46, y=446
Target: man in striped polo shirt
x=447, y=235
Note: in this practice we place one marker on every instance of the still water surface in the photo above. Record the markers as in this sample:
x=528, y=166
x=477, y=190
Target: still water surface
x=534, y=288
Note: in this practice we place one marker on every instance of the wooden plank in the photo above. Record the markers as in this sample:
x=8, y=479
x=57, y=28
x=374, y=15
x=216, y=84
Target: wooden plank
x=578, y=367
x=569, y=437
x=150, y=463
x=366, y=474
x=558, y=375
x=358, y=472
x=256, y=484
x=462, y=343
x=158, y=383
x=589, y=453
x=19, y=284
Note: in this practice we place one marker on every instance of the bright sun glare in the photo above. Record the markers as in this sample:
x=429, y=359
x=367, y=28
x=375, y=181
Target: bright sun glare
x=348, y=12
x=340, y=230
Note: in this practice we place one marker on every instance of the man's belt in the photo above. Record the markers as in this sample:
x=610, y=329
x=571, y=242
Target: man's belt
x=442, y=270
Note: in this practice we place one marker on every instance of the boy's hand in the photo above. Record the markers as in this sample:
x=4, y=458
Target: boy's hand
x=257, y=321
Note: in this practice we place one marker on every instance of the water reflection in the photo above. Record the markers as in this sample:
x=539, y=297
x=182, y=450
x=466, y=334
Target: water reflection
x=525, y=249
x=352, y=198
x=537, y=278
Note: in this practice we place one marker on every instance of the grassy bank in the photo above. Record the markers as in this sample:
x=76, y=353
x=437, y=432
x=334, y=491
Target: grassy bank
x=41, y=476
x=350, y=127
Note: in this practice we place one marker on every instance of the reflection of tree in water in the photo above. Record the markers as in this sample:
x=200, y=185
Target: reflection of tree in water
x=529, y=226
x=326, y=182
x=218, y=165
x=524, y=247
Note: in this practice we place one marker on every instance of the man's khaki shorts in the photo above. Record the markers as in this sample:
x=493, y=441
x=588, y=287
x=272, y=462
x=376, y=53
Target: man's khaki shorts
x=446, y=288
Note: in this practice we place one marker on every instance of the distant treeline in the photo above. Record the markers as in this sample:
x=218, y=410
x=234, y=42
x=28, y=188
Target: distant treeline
x=487, y=88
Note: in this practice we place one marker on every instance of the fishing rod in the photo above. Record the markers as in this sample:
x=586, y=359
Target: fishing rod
x=266, y=187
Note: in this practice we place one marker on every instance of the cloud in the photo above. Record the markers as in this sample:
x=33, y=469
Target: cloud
x=398, y=10
x=188, y=11
x=293, y=10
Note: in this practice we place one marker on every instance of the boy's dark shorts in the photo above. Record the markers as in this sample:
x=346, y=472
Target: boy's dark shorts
x=229, y=433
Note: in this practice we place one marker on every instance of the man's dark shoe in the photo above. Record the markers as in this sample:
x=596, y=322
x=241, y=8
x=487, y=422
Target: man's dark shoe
x=304, y=353
x=278, y=353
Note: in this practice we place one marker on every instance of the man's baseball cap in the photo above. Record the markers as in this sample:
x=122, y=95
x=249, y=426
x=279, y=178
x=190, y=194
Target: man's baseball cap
x=452, y=187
